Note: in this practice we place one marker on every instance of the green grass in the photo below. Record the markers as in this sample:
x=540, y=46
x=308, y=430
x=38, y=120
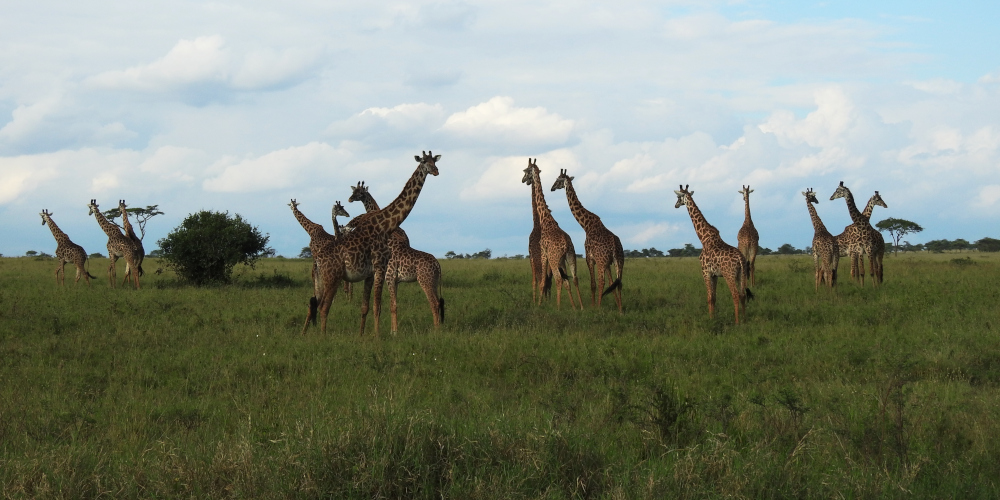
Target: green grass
x=173, y=391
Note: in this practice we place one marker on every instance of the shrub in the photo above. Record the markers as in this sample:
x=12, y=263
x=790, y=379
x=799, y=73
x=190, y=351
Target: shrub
x=207, y=245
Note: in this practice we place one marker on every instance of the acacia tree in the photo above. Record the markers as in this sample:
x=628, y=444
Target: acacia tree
x=140, y=215
x=207, y=245
x=897, y=228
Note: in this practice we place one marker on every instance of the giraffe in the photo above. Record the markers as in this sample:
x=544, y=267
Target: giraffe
x=850, y=239
x=747, y=240
x=602, y=247
x=317, y=234
x=118, y=244
x=136, y=242
x=556, y=248
x=535, y=246
x=66, y=251
x=338, y=210
x=717, y=258
x=867, y=239
x=406, y=265
x=363, y=252
x=826, y=250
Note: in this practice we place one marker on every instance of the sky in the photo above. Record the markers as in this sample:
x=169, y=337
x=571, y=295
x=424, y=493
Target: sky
x=240, y=106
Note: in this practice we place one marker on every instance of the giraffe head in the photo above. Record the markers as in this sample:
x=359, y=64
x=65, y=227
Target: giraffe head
x=683, y=196
x=45, y=216
x=527, y=179
x=877, y=199
x=841, y=192
x=294, y=204
x=358, y=193
x=810, y=196
x=338, y=210
x=93, y=207
x=428, y=163
x=121, y=206
x=745, y=192
x=562, y=180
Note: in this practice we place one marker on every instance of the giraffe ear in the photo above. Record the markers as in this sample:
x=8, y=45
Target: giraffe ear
x=751, y=190
x=571, y=178
x=678, y=193
x=415, y=157
x=436, y=158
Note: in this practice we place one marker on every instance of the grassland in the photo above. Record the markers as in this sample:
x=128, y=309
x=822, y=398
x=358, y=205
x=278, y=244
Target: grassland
x=173, y=391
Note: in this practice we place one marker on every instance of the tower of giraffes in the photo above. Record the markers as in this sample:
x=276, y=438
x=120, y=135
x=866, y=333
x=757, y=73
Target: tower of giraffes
x=118, y=244
x=867, y=238
x=556, y=248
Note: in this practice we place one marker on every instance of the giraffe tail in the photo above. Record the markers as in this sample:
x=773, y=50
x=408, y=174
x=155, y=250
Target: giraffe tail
x=313, y=307
x=441, y=308
x=141, y=272
x=750, y=295
x=617, y=284
x=547, y=286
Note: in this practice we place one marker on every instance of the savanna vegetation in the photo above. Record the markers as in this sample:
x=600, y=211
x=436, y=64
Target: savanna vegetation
x=183, y=391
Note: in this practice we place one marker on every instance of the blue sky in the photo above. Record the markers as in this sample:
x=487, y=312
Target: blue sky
x=241, y=106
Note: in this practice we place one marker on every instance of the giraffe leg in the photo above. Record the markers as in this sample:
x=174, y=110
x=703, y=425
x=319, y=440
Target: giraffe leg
x=734, y=289
x=710, y=283
x=57, y=273
x=753, y=266
x=429, y=283
x=393, y=285
x=542, y=289
x=595, y=300
x=377, y=297
x=325, y=301
x=365, y=299
x=112, y=275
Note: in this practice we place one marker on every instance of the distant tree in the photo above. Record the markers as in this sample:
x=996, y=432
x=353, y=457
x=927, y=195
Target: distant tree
x=306, y=253
x=764, y=251
x=485, y=254
x=898, y=228
x=100, y=255
x=156, y=253
x=988, y=245
x=907, y=247
x=937, y=246
x=788, y=249
x=452, y=255
x=961, y=244
x=207, y=245
x=140, y=215
x=30, y=253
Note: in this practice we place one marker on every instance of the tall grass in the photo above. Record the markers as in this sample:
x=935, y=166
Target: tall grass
x=211, y=392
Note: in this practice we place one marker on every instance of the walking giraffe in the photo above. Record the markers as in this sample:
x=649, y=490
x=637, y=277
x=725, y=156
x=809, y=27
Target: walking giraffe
x=539, y=279
x=556, y=247
x=407, y=265
x=118, y=244
x=826, y=250
x=868, y=239
x=717, y=258
x=602, y=247
x=140, y=252
x=850, y=240
x=66, y=251
x=747, y=240
x=363, y=252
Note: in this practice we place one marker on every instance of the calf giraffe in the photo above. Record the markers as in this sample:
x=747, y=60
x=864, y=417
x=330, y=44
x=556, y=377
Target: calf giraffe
x=118, y=244
x=747, y=240
x=717, y=259
x=363, y=253
x=66, y=251
x=407, y=265
x=869, y=240
x=850, y=240
x=558, y=254
x=602, y=247
x=826, y=250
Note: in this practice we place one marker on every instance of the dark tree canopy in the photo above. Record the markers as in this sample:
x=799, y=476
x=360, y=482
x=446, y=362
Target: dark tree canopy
x=988, y=245
x=140, y=215
x=207, y=245
x=897, y=229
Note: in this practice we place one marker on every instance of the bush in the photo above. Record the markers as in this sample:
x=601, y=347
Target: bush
x=207, y=245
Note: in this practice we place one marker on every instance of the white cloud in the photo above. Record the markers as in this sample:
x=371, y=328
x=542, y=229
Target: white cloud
x=208, y=60
x=502, y=177
x=989, y=196
x=497, y=120
x=26, y=119
x=294, y=166
x=651, y=231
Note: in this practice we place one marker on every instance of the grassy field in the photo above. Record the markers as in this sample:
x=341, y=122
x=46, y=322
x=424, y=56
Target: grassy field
x=173, y=391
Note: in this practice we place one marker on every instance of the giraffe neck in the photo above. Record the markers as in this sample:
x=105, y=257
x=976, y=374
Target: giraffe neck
x=746, y=209
x=107, y=226
x=369, y=203
x=856, y=216
x=390, y=217
x=128, y=226
x=336, y=227
x=817, y=223
x=57, y=233
x=707, y=233
x=586, y=218
x=869, y=208
x=312, y=228
x=534, y=207
x=538, y=197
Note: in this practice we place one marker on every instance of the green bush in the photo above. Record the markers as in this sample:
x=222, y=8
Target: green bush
x=207, y=245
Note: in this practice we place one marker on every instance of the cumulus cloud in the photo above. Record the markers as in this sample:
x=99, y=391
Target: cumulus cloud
x=278, y=169
x=498, y=120
x=404, y=118
x=26, y=119
x=207, y=60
